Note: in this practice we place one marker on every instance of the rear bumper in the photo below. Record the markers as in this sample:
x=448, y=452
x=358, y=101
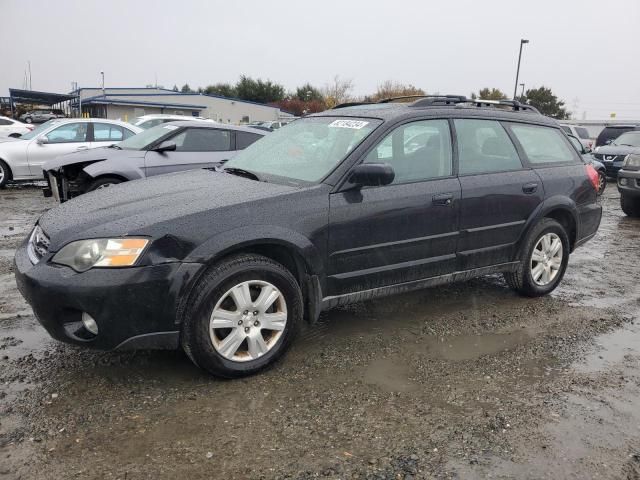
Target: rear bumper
x=590, y=217
x=133, y=307
x=629, y=182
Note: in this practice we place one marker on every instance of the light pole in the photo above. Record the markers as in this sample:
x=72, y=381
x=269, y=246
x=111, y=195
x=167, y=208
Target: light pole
x=522, y=94
x=515, y=87
x=102, y=73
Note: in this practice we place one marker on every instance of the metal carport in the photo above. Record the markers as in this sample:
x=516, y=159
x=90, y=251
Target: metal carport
x=58, y=101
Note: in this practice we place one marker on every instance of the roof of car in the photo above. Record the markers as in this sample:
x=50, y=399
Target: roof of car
x=201, y=124
x=101, y=120
x=389, y=111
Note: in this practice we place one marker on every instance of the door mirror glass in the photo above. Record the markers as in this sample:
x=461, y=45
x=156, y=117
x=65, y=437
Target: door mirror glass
x=42, y=140
x=372, y=174
x=166, y=146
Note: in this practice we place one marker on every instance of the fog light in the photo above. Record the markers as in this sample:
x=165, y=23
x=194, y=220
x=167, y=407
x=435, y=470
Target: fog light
x=89, y=323
x=623, y=181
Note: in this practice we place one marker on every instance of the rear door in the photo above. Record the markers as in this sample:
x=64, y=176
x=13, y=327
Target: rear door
x=402, y=232
x=105, y=134
x=499, y=193
x=196, y=147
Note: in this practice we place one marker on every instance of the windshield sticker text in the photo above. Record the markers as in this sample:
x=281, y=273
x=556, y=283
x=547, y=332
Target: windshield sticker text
x=355, y=124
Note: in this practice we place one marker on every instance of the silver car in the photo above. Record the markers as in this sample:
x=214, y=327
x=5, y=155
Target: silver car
x=22, y=158
x=165, y=148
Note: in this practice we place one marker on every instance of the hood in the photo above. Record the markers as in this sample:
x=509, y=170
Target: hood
x=155, y=206
x=616, y=150
x=91, y=155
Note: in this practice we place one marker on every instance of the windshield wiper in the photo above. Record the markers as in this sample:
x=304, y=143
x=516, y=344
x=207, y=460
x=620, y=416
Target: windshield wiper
x=624, y=145
x=241, y=172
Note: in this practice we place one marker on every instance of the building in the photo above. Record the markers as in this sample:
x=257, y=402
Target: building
x=128, y=103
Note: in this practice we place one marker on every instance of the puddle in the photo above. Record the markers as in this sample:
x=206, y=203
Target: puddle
x=390, y=374
x=468, y=347
x=612, y=348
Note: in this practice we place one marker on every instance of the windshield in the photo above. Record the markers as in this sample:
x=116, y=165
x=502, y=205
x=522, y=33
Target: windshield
x=630, y=138
x=307, y=150
x=147, y=137
x=38, y=130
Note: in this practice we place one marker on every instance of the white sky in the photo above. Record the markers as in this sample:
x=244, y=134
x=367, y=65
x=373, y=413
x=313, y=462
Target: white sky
x=587, y=51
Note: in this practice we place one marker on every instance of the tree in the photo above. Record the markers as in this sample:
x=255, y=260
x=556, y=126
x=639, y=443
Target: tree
x=298, y=107
x=222, y=89
x=186, y=88
x=308, y=93
x=337, y=92
x=490, y=94
x=261, y=91
x=544, y=100
x=390, y=89
x=175, y=87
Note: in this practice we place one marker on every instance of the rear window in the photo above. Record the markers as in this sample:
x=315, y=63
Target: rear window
x=543, y=145
x=582, y=133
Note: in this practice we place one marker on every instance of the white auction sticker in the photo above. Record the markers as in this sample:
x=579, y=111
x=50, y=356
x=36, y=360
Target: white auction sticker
x=355, y=124
x=170, y=127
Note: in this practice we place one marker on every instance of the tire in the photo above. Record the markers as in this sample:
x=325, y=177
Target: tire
x=28, y=120
x=630, y=205
x=602, y=182
x=5, y=174
x=209, y=347
x=522, y=279
x=103, y=182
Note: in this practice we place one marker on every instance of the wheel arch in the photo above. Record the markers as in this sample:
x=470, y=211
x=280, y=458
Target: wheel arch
x=9, y=171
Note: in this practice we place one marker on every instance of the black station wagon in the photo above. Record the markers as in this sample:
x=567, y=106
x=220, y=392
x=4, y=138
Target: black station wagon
x=342, y=206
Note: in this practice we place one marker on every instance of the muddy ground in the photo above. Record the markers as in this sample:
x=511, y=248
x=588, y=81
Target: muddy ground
x=466, y=381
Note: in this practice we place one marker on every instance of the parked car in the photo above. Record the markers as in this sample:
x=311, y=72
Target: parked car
x=166, y=148
x=41, y=116
x=13, y=128
x=589, y=159
x=629, y=184
x=611, y=132
x=147, y=121
x=22, y=158
x=613, y=155
x=271, y=125
x=229, y=262
x=581, y=132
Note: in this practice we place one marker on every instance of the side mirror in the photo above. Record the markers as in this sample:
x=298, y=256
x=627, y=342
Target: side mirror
x=372, y=174
x=166, y=146
x=42, y=140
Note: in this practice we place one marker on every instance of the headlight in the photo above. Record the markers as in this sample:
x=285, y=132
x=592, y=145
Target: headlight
x=632, y=161
x=101, y=252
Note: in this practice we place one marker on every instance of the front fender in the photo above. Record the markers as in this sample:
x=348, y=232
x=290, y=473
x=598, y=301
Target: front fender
x=129, y=171
x=232, y=240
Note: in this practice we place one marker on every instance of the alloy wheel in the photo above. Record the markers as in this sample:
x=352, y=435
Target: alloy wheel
x=248, y=321
x=546, y=259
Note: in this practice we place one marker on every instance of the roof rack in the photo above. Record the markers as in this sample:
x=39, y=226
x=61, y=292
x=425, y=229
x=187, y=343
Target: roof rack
x=442, y=100
x=350, y=104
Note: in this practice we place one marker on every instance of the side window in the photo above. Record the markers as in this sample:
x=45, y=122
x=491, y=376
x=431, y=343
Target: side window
x=244, y=139
x=4, y=121
x=484, y=147
x=105, y=132
x=567, y=129
x=68, y=133
x=543, y=144
x=582, y=133
x=127, y=133
x=203, y=140
x=416, y=151
x=576, y=143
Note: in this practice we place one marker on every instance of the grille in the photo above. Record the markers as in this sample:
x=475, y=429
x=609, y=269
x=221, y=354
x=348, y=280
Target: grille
x=38, y=245
x=608, y=158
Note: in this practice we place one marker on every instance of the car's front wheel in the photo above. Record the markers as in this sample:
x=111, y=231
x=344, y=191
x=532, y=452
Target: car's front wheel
x=104, y=182
x=545, y=255
x=630, y=205
x=242, y=316
x=4, y=174
x=28, y=120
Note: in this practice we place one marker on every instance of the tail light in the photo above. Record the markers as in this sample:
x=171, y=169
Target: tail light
x=593, y=177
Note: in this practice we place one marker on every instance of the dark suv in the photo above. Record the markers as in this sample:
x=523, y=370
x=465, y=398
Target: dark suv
x=341, y=206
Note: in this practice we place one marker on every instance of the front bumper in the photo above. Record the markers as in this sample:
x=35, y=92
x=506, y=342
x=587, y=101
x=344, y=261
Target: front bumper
x=133, y=307
x=629, y=182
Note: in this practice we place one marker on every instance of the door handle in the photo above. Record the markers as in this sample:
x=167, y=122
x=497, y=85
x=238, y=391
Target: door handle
x=443, y=199
x=82, y=147
x=529, y=188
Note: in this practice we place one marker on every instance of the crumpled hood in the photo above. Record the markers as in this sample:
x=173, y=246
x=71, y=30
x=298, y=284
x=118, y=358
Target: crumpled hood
x=91, y=155
x=616, y=150
x=162, y=205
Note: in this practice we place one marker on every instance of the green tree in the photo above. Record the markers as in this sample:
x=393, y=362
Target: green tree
x=175, y=87
x=544, y=100
x=490, y=94
x=186, y=88
x=222, y=89
x=261, y=91
x=391, y=89
x=308, y=93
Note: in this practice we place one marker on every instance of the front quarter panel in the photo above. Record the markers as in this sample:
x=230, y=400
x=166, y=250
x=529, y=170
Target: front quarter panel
x=129, y=168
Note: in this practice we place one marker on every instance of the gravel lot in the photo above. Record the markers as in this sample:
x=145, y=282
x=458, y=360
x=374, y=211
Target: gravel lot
x=466, y=381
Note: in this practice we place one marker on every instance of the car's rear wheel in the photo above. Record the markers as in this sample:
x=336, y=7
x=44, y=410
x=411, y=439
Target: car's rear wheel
x=243, y=315
x=104, y=182
x=545, y=255
x=28, y=120
x=5, y=174
x=630, y=205
x=602, y=182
